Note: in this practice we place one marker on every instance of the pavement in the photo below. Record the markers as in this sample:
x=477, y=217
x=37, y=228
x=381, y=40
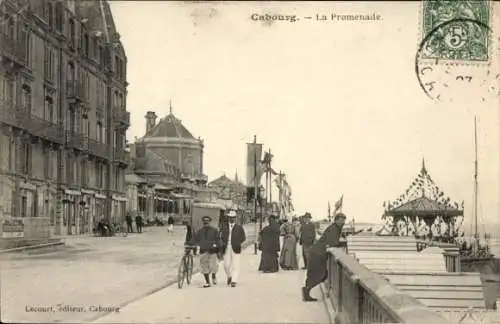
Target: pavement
x=258, y=298
x=88, y=276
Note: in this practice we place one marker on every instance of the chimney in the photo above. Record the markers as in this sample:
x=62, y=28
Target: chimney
x=150, y=120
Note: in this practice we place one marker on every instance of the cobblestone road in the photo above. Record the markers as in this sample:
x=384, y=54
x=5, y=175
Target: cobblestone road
x=87, y=272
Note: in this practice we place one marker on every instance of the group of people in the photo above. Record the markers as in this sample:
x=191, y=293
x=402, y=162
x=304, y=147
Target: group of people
x=292, y=233
x=226, y=242
x=219, y=244
x=138, y=223
x=314, y=252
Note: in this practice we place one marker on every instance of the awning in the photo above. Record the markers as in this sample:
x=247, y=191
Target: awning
x=100, y=196
x=88, y=192
x=163, y=199
x=120, y=198
x=134, y=178
x=141, y=195
x=159, y=186
x=72, y=192
x=177, y=195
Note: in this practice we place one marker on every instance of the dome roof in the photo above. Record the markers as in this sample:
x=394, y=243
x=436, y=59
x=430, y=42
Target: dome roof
x=170, y=126
x=152, y=162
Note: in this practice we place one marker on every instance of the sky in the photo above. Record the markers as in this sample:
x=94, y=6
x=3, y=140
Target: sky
x=337, y=102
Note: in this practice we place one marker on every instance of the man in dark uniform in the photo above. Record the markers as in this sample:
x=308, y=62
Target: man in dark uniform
x=318, y=256
x=307, y=237
x=207, y=238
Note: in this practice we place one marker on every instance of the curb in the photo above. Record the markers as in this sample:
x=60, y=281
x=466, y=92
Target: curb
x=32, y=247
x=148, y=293
x=328, y=305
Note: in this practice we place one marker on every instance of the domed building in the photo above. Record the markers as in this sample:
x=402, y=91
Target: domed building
x=167, y=169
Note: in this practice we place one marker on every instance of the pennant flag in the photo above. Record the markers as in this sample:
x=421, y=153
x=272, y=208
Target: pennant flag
x=338, y=204
x=329, y=210
x=254, y=167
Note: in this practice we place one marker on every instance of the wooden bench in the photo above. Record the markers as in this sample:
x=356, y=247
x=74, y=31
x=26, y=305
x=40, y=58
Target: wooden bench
x=441, y=291
x=381, y=243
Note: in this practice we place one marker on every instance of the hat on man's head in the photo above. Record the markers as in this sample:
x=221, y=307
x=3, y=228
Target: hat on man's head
x=340, y=215
x=231, y=213
x=307, y=215
x=206, y=219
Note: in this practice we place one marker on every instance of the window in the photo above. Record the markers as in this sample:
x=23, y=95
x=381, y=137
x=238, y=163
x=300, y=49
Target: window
x=8, y=89
x=86, y=45
x=99, y=131
x=83, y=170
x=59, y=17
x=50, y=14
x=26, y=98
x=48, y=66
x=46, y=162
x=49, y=109
x=72, y=33
x=26, y=158
x=117, y=65
x=117, y=178
x=98, y=55
x=11, y=155
x=85, y=126
x=72, y=121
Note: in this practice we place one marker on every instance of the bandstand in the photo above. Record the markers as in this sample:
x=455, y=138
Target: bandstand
x=424, y=211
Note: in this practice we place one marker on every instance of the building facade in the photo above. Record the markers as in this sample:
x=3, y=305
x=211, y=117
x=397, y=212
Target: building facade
x=63, y=114
x=165, y=173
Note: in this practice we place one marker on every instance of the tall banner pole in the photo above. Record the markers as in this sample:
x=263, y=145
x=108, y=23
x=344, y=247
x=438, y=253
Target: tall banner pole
x=255, y=192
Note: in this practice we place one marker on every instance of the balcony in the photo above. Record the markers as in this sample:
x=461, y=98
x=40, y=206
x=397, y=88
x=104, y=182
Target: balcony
x=13, y=50
x=43, y=128
x=99, y=149
x=75, y=91
x=77, y=141
x=12, y=114
x=122, y=156
x=121, y=116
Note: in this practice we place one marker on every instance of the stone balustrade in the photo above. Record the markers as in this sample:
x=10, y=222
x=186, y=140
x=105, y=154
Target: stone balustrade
x=359, y=295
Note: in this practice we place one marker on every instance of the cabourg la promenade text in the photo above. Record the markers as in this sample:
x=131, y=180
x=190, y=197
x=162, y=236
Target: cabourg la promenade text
x=332, y=17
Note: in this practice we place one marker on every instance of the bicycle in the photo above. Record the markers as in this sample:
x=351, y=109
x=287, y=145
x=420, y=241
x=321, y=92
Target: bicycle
x=185, y=271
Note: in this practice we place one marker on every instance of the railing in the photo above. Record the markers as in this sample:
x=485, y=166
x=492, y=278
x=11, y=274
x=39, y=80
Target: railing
x=121, y=156
x=12, y=114
x=451, y=253
x=75, y=90
x=77, y=140
x=121, y=115
x=99, y=149
x=43, y=128
x=359, y=295
x=13, y=49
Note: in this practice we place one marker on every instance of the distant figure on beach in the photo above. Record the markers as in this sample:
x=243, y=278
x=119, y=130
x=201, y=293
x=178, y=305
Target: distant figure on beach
x=170, y=222
x=270, y=246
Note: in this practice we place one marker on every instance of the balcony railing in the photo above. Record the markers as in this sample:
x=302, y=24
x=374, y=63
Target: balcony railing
x=77, y=140
x=359, y=295
x=12, y=114
x=99, y=149
x=12, y=49
x=121, y=116
x=122, y=156
x=75, y=90
x=43, y=128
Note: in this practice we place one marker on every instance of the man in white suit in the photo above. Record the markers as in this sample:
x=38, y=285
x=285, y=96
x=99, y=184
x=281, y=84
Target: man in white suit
x=232, y=237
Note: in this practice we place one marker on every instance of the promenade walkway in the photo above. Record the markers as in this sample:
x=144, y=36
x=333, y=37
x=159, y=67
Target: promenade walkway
x=258, y=298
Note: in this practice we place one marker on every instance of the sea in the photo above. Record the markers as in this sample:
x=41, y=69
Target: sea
x=495, y=247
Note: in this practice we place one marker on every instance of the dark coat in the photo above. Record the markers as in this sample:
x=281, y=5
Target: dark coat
x=138, y=220
x=238, y=236
x=270, y=239
x=318, y=256
x=170, y=221
x=128, y=219
x=207, y=238
x=331, y=237
x=307, y=234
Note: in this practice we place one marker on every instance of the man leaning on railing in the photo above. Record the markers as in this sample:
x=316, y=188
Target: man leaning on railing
x=318, y=256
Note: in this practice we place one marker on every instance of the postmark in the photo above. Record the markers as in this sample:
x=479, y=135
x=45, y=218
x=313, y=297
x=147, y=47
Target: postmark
x=457, y=58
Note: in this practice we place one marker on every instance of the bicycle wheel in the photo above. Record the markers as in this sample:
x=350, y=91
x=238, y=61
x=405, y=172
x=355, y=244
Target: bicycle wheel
x=189, y=268
x=181, y=273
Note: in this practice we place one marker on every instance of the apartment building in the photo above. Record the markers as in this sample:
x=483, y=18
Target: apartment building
x=63, y=114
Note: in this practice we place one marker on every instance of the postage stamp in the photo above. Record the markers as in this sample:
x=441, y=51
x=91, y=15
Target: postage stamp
x=457, y=59
x=456, y=30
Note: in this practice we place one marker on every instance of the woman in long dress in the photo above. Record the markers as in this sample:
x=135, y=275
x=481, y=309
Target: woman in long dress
x=288, y=258
x=270, y=246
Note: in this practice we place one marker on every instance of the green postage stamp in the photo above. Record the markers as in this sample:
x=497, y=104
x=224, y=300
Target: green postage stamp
x=456, y=30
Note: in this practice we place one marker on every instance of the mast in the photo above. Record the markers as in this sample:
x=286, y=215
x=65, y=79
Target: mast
x=475, y=180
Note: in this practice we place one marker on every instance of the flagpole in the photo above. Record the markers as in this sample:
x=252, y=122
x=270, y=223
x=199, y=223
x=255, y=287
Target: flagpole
x=255, y=191
x=270, y=184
